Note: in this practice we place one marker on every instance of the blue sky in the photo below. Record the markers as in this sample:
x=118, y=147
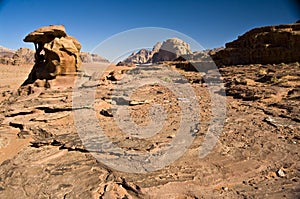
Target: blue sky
x=211, y=23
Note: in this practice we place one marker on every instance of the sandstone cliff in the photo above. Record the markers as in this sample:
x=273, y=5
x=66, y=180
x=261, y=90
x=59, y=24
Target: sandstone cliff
x=265, y=45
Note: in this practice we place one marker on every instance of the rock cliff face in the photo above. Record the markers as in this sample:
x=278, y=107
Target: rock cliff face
x=141, y=57
x=171, y=49
x=56, y=53
x=167, y=51
x=265, y=45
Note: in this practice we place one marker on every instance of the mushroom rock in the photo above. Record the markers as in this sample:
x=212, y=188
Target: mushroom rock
x=57, y=54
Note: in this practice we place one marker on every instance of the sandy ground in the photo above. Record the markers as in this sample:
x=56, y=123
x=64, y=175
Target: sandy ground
x=10, y=80
x=13, y=76
x=256, y=156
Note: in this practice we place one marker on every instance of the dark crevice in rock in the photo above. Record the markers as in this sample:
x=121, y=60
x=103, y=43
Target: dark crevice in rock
x=19, y=113
x=291, y=118
x=40, y=143
x=82, y=150
x=16, y=125
x=54, y=110
x=57, y=109
x=132, y=189
x=54, y=142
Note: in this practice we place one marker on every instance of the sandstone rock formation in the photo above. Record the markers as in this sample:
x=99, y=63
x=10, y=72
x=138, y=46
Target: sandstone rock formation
x=167, y=51
x=171, y=49
x=87, y=57
x=6, y=55
x=56, y=53
x=18, y=57
x=265, y=45
x=23, y=56
x=141, y=57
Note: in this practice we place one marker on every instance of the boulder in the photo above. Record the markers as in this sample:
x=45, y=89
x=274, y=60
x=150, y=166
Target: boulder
x=264, y=45
x=57, y=54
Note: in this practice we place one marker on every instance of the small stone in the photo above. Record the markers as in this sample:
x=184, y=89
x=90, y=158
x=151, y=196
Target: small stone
x=171, y=136
x=225, y=188
x=106, y=112
x=280, y=173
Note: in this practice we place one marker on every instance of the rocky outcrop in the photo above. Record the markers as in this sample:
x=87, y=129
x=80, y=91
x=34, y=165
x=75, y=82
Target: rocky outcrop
x=56, y=53
x=171, y=49
x=167, y=51
x=23, y=56
x=87, y=57
x=141, y=57
x=6, y=55
x=265, y=45
x=16, y=57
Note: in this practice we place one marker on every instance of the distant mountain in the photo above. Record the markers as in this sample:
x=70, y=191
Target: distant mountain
x=16, y=57
x=167, y=51
x=87, y=57
x=172, y=49
x=141, y=57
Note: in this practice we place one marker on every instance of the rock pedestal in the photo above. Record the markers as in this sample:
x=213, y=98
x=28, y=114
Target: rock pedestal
x=57, y=54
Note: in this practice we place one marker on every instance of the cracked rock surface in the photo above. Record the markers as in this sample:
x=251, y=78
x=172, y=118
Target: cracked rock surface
x=256, y=155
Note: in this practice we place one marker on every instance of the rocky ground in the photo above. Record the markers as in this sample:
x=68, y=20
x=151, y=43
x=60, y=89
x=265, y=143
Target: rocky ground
x=256, y=155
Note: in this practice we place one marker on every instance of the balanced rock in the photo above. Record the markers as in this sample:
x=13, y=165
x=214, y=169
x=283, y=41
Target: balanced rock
x=265, y=45
x=171, y=49
x=56, y=53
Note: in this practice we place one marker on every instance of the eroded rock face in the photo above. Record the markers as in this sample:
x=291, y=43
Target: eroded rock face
x=91, y=58
x=265, y=45
x=171, y=49
x=56, y=53
x=16, y=57
x=141, y=57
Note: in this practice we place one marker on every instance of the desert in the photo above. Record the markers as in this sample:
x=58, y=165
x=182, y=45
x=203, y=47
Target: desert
x=164, y=122
x=255, y=156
